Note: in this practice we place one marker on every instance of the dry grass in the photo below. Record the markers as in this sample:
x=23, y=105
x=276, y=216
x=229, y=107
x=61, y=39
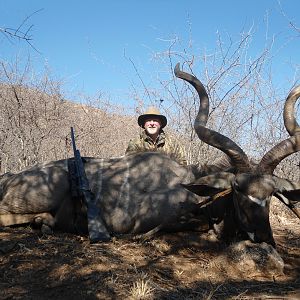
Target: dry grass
x=142, y=288
x=171, y=266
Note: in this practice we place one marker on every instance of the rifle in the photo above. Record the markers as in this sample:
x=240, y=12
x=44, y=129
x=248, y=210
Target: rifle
x=96, y=227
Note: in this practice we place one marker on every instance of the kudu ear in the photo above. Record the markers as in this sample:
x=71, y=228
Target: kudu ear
x=286, y=199
x=288, y=192
x=285, y=185
x=211, y=184
x=293, y=195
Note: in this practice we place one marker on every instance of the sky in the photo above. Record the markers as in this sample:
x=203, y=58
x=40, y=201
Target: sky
x=109, y=46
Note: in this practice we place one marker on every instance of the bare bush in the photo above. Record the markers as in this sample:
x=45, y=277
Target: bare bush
x=36, y=120
x=245, y=103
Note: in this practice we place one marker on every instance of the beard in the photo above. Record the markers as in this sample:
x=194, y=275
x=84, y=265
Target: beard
x=152, y=130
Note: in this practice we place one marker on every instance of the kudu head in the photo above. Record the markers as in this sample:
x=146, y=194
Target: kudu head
x=249, y=188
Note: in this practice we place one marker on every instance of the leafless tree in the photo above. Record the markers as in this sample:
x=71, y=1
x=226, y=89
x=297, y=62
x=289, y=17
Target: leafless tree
x=245, y=104
x=36, y=120
x=31, y=114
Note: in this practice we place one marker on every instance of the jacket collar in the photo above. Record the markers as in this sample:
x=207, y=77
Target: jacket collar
x=160, y=139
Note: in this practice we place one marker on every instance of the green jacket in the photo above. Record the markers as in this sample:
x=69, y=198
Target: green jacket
x=164, y=143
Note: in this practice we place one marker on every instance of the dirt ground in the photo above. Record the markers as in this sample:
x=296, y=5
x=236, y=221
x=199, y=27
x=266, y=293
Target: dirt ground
x=185, y=265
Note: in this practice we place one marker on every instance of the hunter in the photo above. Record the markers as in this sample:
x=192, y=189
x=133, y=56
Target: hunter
x=153, y=137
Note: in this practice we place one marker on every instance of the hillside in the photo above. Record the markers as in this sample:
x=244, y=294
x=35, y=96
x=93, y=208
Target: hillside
x=35, y=127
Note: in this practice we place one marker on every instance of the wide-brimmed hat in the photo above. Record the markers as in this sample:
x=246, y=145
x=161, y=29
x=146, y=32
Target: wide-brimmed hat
x=152, y=112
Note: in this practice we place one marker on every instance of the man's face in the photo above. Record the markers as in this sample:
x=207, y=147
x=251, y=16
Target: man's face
x=152, y=126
